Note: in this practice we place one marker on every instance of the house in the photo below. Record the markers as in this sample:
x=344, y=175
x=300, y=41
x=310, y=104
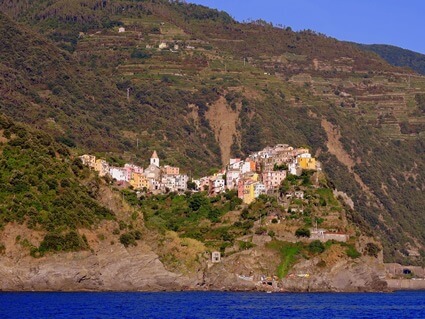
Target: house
x=305, y=161
x=217, y=185
x=248, y=192
x=88, y=160
x=323, y=235
x=259, y=189
x=102, y=167
x=118, y=173
x=162, y=45
x=181, y=182
x=139, y=181
x=273, y=179
x=204, y=184
x=241, y=188
x=170, y=170
x=169, y=182
x=121, y=30
x=294, y=169
x=216, y=257
x=232, y=178
x=131, y=169
x=299, y=194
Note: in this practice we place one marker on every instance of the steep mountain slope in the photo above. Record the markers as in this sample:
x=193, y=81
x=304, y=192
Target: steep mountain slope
x=398, y=56
x=363, y=118
x=42, y=187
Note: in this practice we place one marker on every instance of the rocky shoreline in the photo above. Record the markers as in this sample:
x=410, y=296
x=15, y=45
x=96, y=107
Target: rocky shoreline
x=140, y=269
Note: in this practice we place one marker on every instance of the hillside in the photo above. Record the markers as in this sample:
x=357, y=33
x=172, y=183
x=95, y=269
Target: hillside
x=219, y=89
x=398, y=56
x=43, y=188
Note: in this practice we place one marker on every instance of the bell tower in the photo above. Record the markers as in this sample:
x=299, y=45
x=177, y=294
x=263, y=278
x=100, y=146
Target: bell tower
x=155, y=159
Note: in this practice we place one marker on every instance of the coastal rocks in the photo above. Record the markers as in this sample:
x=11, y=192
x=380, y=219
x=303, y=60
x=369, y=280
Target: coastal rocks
x=109, y=269
x=346, y=275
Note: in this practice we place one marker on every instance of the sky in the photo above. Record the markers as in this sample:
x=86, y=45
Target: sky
x=396, y=22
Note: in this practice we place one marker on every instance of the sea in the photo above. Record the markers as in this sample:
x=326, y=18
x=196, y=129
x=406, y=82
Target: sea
x=165, y=305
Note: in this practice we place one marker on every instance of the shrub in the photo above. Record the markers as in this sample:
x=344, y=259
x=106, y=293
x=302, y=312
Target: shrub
x=71, y=241
x=372, y=250
x=316, y=247
x=127, y=239
x=352, y=252
x=130, y=238
x=260, y=231
x=271, y=233
x=245, y=245
x=302, y=232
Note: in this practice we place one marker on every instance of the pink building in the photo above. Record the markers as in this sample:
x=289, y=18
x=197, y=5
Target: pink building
x=273, y=179
x=241, y=185
x=130, y=169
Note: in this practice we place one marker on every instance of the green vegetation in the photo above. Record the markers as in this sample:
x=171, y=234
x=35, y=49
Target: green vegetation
x=316, y=247
x=41, y=186
x=302, y=232
x=352, y=252
x=289, y=253
x=130, y=238
x=398, y=56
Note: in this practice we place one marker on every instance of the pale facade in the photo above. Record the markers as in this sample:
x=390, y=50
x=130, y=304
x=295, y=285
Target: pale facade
x=88, y=160
x=102, y=167
x=273, y=179
x=118, y=173
x=170, y=170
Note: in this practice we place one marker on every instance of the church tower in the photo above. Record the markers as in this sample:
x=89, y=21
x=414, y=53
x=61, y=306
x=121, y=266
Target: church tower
x=155, y=159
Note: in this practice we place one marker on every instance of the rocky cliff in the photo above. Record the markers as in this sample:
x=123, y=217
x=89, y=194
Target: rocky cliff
x=112, y=267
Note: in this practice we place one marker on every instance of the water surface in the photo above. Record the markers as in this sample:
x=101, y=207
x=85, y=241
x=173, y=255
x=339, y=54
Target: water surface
x=212, y=305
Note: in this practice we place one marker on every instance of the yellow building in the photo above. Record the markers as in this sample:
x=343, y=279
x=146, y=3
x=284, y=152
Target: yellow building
x=248, y=192
x=307, y=162
x=139, y=181
x=101, y=166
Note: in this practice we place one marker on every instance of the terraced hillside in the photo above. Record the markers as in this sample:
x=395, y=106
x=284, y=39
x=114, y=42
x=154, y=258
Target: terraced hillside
x=201, y=87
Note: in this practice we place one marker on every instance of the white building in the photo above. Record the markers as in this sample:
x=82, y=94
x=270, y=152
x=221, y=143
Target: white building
x=218, y=185
x=121, y=30
x=259, y=189
x=294, y=169
x=181, y=182
x=118, y=173
x=162, y=45
x=232, y=178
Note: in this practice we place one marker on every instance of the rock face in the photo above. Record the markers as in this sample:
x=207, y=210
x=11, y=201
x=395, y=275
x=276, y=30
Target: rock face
x=114, y=268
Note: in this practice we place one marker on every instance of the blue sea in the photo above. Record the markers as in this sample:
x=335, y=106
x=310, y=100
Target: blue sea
x=213, y=305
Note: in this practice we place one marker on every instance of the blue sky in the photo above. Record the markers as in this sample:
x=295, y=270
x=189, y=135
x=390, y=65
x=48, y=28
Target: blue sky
x=396, y=22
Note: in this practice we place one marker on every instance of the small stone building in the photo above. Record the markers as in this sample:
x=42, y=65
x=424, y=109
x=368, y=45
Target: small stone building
x=216, y=257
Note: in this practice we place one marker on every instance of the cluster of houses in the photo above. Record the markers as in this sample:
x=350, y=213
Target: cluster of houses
x=261, y=173
x=154, y=178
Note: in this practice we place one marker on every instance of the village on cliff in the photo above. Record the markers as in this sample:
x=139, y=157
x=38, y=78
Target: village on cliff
x=260, y=173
